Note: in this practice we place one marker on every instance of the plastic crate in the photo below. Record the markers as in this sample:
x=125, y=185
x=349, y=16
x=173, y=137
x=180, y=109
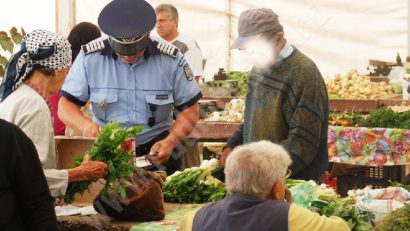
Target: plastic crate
x=329, y=182
x=377, y=177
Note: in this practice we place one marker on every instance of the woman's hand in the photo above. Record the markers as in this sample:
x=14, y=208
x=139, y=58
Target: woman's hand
x=89, y=170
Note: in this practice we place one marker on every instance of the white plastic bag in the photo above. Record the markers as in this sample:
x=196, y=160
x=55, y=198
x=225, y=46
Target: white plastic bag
x=397, y=80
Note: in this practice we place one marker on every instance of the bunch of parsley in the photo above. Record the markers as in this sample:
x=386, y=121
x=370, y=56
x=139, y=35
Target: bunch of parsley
x=397, y=220
x=106, y=148
x=193, y=185
x=345, y=208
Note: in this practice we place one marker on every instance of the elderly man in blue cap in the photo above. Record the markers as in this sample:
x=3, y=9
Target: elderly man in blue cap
x=133, y=78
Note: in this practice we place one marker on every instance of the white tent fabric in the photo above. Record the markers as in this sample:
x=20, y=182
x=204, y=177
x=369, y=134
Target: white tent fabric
x=337, y=35
x=30, y=15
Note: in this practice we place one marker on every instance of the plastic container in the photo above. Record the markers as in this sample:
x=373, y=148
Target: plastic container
x=377, y=177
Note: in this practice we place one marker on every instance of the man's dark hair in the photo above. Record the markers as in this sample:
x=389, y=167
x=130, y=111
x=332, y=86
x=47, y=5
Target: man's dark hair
x=82, y=34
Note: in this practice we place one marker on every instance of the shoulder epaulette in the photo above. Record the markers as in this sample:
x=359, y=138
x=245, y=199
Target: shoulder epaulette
x=94, y=46
x=167, y=48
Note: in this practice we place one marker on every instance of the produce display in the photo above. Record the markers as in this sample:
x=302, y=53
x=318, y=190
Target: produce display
x=355, y=86
x=110, y=148
x=387, y=118
x=233, y=112
x=345, y=119
x=345, y=209
x=397, y=220
x=304, y=192
x=400, y=108
x=194, y=185
x=325, y=201
x=242, y=79
x=395, y=117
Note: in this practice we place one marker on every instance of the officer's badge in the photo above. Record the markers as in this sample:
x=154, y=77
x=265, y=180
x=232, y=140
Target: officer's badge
x=188, y=72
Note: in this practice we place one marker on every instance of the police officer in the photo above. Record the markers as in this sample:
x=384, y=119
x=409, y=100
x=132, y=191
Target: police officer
x=136, y=79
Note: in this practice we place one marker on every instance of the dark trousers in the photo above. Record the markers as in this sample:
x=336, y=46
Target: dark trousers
x=174, y=162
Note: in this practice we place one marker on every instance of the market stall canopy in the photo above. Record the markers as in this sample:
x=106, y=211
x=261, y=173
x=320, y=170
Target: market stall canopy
x=337, y=35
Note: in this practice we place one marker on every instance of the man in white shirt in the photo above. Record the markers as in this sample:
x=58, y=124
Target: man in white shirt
x=167, y=28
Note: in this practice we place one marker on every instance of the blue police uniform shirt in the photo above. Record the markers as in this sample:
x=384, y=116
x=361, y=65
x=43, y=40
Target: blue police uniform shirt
x=122, y=92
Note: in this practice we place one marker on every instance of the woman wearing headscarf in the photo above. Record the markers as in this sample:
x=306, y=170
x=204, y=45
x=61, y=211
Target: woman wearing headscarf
x=32, y=74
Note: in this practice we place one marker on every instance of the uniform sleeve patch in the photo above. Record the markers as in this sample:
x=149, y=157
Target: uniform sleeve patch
x=188, y=72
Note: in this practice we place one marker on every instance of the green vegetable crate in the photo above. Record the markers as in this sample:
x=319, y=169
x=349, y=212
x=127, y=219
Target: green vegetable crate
x=376, y=176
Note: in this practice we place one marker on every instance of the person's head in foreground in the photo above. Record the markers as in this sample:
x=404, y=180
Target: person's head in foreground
x=258, y=170
x=128, y=24
x=43, y=60
x=260, y=35
x=257, y=198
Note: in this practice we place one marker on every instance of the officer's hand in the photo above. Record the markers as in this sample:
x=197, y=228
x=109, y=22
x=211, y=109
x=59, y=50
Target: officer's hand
x=161, y=151
x=225, y=155
x=91, y=130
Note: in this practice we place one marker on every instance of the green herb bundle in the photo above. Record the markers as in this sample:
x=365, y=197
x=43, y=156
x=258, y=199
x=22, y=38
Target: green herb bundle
x=242, y=78
x=345, y=208
x=107, y=148
x=387, y=118
x=397, y=220
x=194, y=185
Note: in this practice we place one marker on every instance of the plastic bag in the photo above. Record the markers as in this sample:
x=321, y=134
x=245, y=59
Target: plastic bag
x=397, y=79
x=303, y=194
x=381, y=202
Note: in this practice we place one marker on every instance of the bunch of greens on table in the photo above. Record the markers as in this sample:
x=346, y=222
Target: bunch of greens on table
x=346, y=118
x=242, y=78
x=305, y=194
x=345, y=208
x=107, y=148
x=397, y=220
x=387, y=118
x=398, y=184
x=193, y=185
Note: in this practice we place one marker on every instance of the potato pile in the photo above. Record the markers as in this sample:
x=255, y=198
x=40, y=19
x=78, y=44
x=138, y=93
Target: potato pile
x=355, y=86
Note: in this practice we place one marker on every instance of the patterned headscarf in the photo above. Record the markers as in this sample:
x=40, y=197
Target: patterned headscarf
x=38, y=48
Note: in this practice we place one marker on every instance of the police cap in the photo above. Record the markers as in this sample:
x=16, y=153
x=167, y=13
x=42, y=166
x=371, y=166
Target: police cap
x=127, y=22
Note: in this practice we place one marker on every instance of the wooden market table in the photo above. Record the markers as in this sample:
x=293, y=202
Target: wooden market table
x=360, y=105
x=99, y=222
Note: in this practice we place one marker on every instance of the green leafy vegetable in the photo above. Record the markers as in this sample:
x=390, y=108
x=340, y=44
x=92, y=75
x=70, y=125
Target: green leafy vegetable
x=293, y=182
x=107, y=148
x=193, y=185
x=242, y=78
x=398, y=184
x=387, y=118
x=345, y=209
x=397, y=220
